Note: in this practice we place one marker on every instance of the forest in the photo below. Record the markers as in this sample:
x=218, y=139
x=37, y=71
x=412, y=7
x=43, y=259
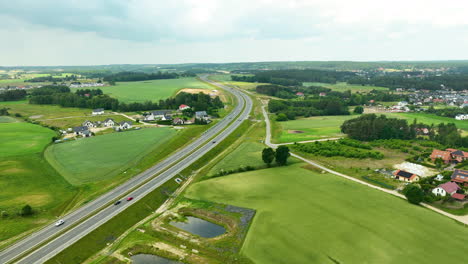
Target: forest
x=13, y=95
x=141, y=76
x=295, y=77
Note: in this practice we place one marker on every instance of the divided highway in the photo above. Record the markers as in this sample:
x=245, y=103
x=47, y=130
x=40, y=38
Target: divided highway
x=102, y=207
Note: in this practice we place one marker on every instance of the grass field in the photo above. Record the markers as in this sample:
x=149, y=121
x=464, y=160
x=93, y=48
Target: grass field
x=34, y=111
x=151, y=90
x=430, y=119
x=342, y=87
x=7, y=119
x=308, y=217
x=100, y=158
x=26, y=178
x=246, y=154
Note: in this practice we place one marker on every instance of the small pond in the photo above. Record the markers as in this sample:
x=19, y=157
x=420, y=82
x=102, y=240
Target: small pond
x=152, y=259
x=200, y=227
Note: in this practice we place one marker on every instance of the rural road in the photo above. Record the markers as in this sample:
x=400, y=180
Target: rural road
x=51, y=240
x=461, y=219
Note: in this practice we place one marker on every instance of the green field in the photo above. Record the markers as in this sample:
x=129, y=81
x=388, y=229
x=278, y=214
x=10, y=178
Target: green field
x=26, y=178
x=100, y=158
x=342, y=87
x=34, y=111
x=246, y=154
x=430, y=119
x=151, y=90
x=7, y=119
x=308, y=217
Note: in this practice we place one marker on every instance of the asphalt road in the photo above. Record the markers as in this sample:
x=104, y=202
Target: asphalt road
x=169, y=167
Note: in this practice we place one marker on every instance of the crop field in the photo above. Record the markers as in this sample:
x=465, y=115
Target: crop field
x=151, y=90
x=308, y=217
x=26, y=178
x=342, y=87
x=100, y=158
x=34, y=111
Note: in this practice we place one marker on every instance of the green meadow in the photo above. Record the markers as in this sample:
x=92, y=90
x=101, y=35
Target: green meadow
x=151, y=90
x=308, y=217
x=90, y=160
x=343, y=86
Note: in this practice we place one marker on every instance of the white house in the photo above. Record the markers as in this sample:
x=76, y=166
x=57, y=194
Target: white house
x=98, y=111
x=202, y=115
x=89, y=124
x=158, y=115
x=439, y=177
x=109, y=122
x=461, y=117
x=446, y=188
x=82, y=131
x=183, y=107
x=125, y=125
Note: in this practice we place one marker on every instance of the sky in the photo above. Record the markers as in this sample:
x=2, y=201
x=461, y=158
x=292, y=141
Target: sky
x=96, y=32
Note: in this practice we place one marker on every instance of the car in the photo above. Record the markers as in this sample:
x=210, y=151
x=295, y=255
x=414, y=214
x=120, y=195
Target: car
x=117, y=202
x=129, y=198
x=214, y=142
x=59, y=222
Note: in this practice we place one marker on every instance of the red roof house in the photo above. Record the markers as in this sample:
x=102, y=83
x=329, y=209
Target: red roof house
x=406, y=176
x=460, y=177
x=458, y=196
x=441, y=154
x=183, y=107
x=300, y=94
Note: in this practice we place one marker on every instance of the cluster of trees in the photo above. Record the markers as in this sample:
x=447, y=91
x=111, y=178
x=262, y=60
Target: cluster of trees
x=13, y=95
x=296, y=77
x=339, y=149
x=276, y=90
x=4, y=111
x=61, y=95
x=281, y=155
x=288, y=110
x=50, y=78
x=140, y=76
x=457, y=82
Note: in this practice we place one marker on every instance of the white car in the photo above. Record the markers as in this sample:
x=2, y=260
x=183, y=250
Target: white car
x=59, y=222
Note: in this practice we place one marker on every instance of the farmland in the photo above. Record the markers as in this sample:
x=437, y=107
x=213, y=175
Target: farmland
x=308, y=217
x=101, y=158
x=151, y=90
x=342, y=87
x=26, y=178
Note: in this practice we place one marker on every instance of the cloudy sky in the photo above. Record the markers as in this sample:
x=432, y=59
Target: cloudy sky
x=90, y=32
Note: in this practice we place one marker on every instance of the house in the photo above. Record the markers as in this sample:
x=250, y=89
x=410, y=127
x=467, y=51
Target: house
x=322, y=94
x=439, y=177
x=82, y=131
x=89, y=124
x=125, y=125
x=183, y=107
x=202, y=115
x=458, y=155
x=109, y=122
x=460, y=177
x=449, y=155
x=98, y=111
x=158, y=115
x=178, y=121
x=406, y=176
x=458, y=196
x=300, y=94
x=447, y=188
x=461, y=117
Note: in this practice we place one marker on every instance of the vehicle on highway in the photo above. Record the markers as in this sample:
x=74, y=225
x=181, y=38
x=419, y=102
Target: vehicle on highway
x=129, y=198
x=59, y=222
x=214, y=142
x=117, y=202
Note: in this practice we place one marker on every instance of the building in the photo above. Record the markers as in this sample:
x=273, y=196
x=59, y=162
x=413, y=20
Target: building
x=458, y=196
x=82, y=131
x=300, y=94
x=158, y=115
x=446, y=188
x=406, y=176
x=109, y=122
x=178, y=121
x=439, y=177
x=125, y=125
x=202, y=115
x=449, y=155
x=89, y=124
x=98, y=111
x=322, y=94
x=183, y=107
x=460, y=177
x=461, y=117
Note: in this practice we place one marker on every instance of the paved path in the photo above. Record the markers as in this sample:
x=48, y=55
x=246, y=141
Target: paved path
x=462, y=219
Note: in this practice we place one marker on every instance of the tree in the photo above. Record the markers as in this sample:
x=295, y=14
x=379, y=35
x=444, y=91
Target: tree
x=413, y=193
x=359, y=110
x=268, y=155
x=281, y=117
x=26, y=210
x=282, y=155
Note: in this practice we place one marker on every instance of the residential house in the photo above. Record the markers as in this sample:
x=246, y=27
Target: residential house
x=460, y=177
x=446, y=188
x=125, y=125
x=202, y=115
x=109, y=122
x=98, y=111
x=158, y=115
x=458, y=196
x=82, y=131
x=89, y=124
x=300, y=94
x=406, y=176
x=439, y=177
x=322, y=94
x=178, y=121
x=183, y=107
x=449, y=155
x=461, y=117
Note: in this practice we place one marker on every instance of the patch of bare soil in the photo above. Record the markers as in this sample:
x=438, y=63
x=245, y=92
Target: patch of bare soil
x=36, y=116
x=196, y=91
x=295, y=131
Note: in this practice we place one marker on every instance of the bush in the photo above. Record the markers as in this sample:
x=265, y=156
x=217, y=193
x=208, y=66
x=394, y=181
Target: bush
x=333, y=149
x=26, y=210
x=414, y=194
x=281, y=117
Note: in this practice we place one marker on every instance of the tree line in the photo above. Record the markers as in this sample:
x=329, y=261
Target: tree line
x=296, y=77
x=141, y=76
x=13, y=95
x=51, y=78
x=344, y=148
x=289, y=110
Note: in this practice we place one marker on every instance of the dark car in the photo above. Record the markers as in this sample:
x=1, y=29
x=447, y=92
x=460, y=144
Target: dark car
x=118, y=202
x=129, y=198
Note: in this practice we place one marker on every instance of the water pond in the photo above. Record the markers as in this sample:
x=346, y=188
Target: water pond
x=152, y=259
x=200, y=227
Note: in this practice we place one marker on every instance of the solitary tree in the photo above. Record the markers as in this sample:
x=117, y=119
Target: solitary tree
x=282, y=155
x=359, y=110
x=268, y=155
x=26, y=210
x=281, y=117
x=413, y=193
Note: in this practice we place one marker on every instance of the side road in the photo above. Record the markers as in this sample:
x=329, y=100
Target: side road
x=461, y=219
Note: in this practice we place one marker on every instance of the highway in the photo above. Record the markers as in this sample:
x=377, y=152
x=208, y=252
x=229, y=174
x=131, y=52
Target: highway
x=97, y=212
